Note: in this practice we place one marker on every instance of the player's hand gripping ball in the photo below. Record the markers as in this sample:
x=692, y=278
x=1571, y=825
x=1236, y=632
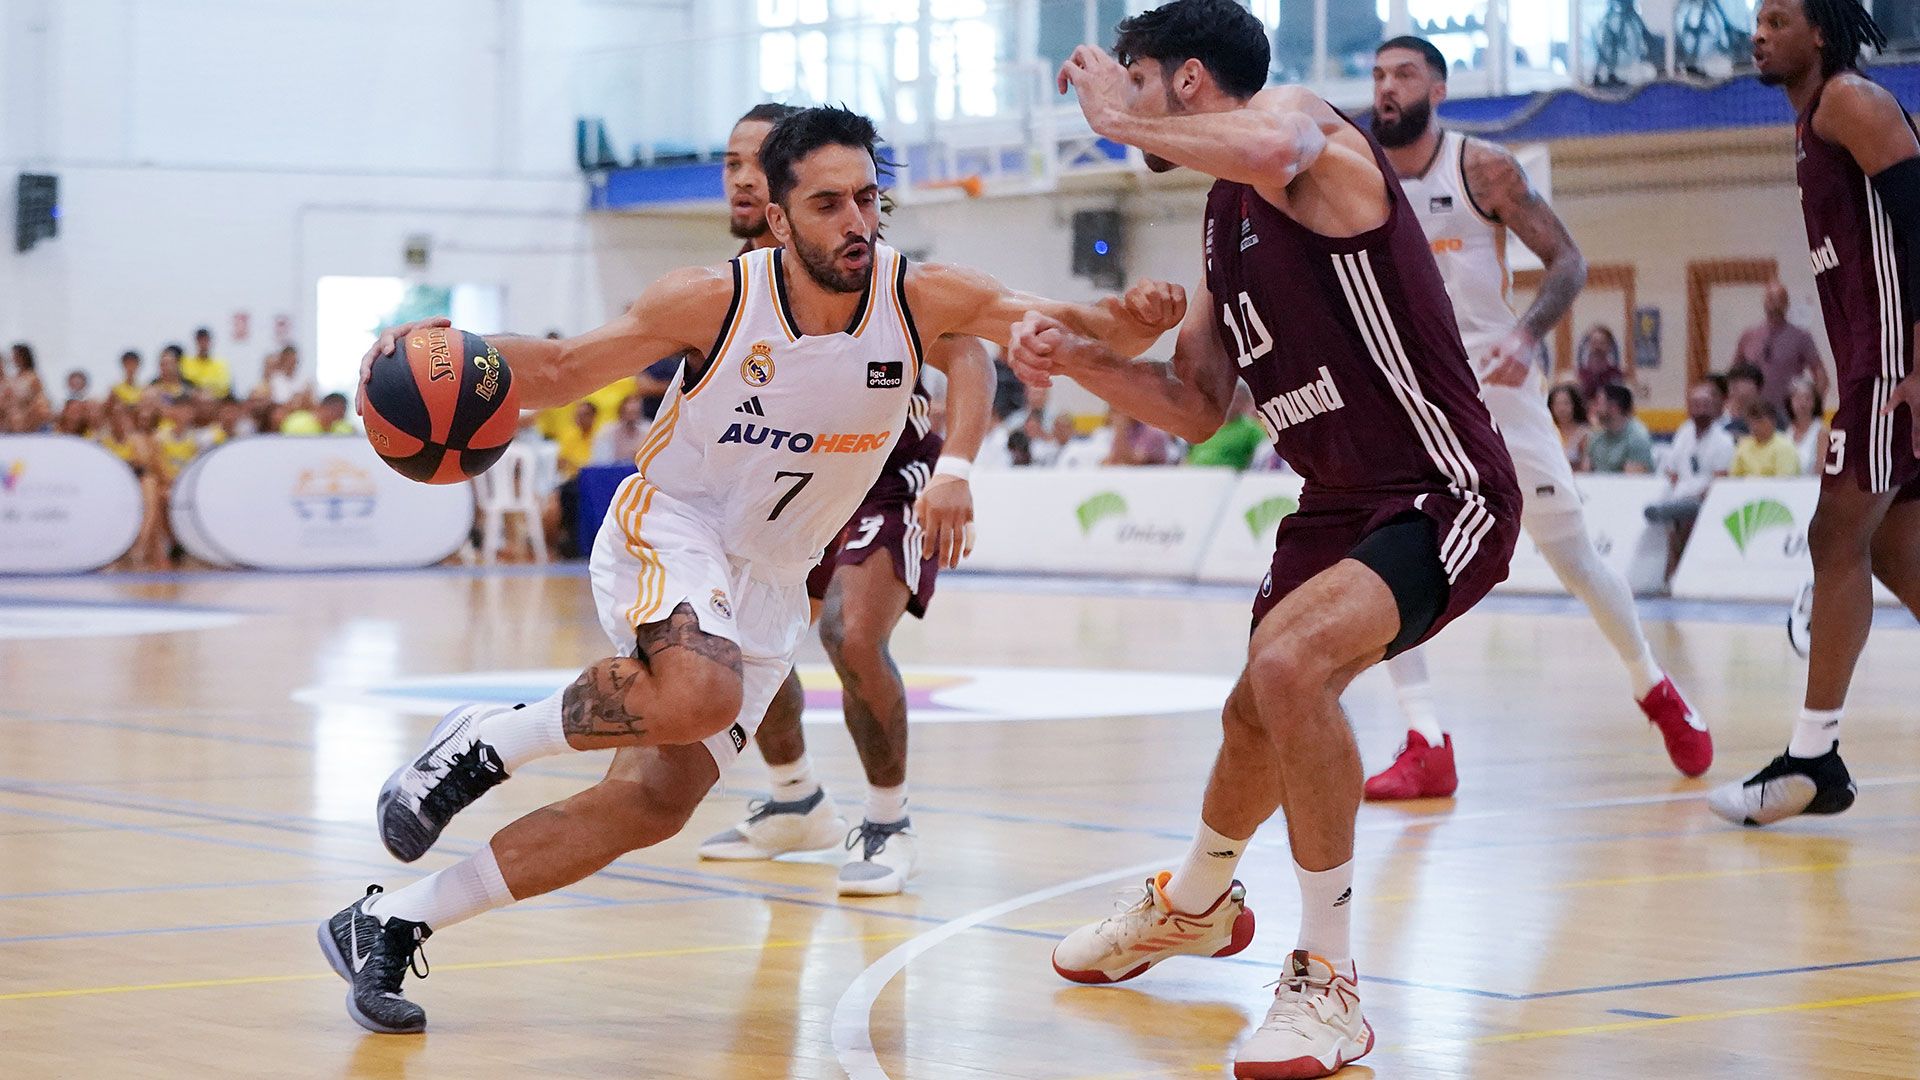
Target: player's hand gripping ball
x=440, y=408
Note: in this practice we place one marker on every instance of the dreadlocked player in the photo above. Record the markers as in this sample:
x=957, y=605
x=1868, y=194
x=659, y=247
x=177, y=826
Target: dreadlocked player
x=1859, y=171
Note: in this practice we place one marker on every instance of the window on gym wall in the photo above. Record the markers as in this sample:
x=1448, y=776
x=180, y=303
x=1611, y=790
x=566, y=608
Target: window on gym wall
x=349, y=312
x=868, y=54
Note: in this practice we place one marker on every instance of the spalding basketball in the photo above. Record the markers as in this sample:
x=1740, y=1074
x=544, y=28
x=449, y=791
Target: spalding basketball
x=441, y=408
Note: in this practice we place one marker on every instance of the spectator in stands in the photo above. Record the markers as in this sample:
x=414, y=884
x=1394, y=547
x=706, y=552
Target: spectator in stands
x=280, y=382
x=653, y=384
x=617, y=443
x=575, y=437
x=1744, y=385
x=1087, y=451
x=169, y=383
x=1233, y=446
x=1765, y=450
x=1781, y=351
x=128, y=390
x=1806, y=424
x=1598, y=363
x=1041, y=450
x=1569, y=411
x=204, y=371
x=327, y=418
x=23, y=399
x=121, y=436
x=1019, y=448
x=77, y=415
x=1135, y=443
x=177, y=438
x=1702, y=451
x=1622, y=444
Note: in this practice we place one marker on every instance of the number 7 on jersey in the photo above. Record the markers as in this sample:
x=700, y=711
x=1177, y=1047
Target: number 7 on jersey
x=791, y=492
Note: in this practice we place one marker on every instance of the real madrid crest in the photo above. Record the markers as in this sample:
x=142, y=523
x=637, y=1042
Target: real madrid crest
x=757, y=368
x=720, y=604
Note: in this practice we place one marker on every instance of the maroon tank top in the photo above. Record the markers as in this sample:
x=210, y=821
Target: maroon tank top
x=1352, y=352
x=1860, y=270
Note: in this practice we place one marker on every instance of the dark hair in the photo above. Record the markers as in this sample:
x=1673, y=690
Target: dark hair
x=129, y=355
x=23, y=355
x=1621, y=397
x=1579, y=403
x=807, y=130
x=203, y=332
x=768, y=112
x=84, y=377
x=335, y=399
x=1226, y=38
x=1846, y=28
x=1760, y=408
x=1718, y=382
x=1748, y=372
x=1420, y=45
x=171, y=347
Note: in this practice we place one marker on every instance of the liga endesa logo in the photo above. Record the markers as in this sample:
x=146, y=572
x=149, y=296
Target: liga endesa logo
x=335, y=491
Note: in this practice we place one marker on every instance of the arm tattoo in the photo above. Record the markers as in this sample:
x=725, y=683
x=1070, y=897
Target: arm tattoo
x=1496, y=182
x=597, y=705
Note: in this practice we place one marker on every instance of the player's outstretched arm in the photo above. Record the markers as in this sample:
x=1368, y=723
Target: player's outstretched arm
x=1868, y=121
x=1499, y=186
x=967, y=303
x=682, y=310
x=1188, y=397
x=1277, y=137
x=945, y=508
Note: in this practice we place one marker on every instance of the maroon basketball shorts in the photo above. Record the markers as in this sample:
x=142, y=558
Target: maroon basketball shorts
x=1872, y=452
x=889, y=525
x=1439, y=555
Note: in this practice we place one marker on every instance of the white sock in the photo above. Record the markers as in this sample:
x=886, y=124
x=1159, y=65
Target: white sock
x=886, y=805
x=472, y=886
x=1610, y=602
x=1326, y=912
x=1411, y=685
x=1815, y=732
x=792, y=782
x=1207, y=872
x=525, y=732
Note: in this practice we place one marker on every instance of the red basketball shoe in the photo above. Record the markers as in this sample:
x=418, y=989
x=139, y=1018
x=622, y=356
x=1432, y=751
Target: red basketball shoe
x=1421, y=771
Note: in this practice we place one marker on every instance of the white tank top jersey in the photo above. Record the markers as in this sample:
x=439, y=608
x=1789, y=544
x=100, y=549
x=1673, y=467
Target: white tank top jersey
x=782, y=436
x=1471, y=250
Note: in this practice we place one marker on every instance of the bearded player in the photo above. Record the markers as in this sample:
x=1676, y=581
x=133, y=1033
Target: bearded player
x=879, y=568
x=1470, y=196
x=699, y=571
x=1320, y=292
x=1859, y=174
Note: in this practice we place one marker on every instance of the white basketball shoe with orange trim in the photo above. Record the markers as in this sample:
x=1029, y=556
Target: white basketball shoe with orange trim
x=1147, y=930
x=1314, y=1027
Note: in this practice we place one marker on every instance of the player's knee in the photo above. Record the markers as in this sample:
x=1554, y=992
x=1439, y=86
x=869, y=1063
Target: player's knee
x=1288, y=669
x=1835, y=539
x=852, y=640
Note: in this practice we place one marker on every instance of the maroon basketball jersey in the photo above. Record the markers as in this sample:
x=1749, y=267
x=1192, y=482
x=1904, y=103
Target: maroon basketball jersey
x=1352, y=352
x=1862, y=275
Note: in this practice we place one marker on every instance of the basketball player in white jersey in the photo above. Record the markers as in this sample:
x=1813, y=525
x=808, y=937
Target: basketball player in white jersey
x=1470, y=194
x=802, y=362
x=877, y=570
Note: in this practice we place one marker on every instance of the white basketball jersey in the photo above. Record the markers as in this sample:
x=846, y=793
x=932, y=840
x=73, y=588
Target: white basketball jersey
x=1471, y=250
x=779, y=441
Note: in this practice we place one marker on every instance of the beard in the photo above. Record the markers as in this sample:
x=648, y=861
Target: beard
x=1771, y=78
x=822, y=264
x=1156, y=163
x=1413, y=122
x=752, y=229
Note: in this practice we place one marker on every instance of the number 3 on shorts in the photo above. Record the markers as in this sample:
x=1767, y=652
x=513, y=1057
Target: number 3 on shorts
x=1836, y=452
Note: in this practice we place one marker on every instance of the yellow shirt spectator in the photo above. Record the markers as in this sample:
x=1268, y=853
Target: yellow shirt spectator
x=128, y=393
x=1775, y=457
x=554, y=423
x=575, y=438
x=207, y=374
x=327, y=418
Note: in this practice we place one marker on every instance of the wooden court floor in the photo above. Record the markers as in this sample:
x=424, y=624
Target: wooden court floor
x=173, y=823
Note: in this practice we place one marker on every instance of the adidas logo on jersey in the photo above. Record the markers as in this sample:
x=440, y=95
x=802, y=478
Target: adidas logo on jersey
x=1248, y=237
x=1298, y=406
x=801, y=442
x=1825, y=258
x=751, y=407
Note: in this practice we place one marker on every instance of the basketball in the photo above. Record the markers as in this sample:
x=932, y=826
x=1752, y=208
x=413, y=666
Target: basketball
x=441, y=408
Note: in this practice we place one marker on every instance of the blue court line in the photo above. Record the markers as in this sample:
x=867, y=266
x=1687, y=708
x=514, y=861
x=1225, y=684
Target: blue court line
x=1639, y=1015
x=156, y=729
x=130, y=602
x=573, y=569
x=190, y=886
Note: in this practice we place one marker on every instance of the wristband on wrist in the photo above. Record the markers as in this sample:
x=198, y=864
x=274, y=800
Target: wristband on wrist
x=957, y=467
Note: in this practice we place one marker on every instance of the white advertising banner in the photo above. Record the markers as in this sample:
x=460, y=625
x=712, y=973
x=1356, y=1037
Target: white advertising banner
x=1149, y=522
x=66, y=505
x=316, y=503
x=1617, y=523
x=1242, y=547
x=1751, y=543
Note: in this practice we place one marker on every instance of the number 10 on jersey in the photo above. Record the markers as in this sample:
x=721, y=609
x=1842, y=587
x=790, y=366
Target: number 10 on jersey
x=1253, y=331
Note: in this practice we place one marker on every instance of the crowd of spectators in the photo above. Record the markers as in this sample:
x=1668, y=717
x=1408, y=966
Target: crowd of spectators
x=159, y=424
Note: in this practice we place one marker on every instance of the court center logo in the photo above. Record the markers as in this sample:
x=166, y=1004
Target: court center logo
x=1264, y=516
x=757, y=368
x=1757, y=518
